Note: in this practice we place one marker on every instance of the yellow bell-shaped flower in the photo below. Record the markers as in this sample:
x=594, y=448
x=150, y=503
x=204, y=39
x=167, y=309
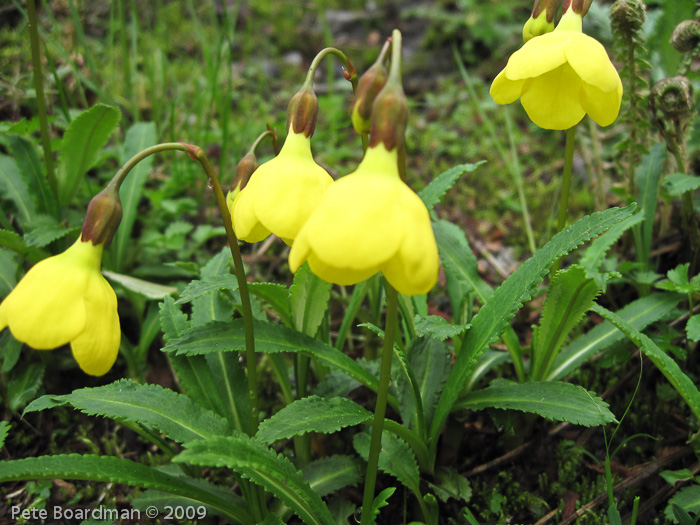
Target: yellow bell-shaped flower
x=281, y=194
x=370, y=221
x=561, y=76
x=65, y=299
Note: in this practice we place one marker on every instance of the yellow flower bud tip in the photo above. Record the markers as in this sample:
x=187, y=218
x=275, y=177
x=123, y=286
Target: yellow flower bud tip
x=560, y=77
x=302, y=112
x=103, y=216
x=366, y=222
x=281, y=193
x=65, y=299
x=368, y=87
x=537, y=26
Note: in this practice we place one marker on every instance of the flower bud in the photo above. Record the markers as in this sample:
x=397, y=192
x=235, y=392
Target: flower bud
x=389, y=117
x=302, y=111
x=627, y=17
x=369, y=86
x=671, y=100
x=245, y=168
x=542, y=19
x=686, y=36
x=580, y=7
x=103, y=216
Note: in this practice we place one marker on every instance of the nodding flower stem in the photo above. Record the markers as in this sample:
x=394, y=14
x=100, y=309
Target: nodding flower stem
x=349, y=70
x=196, y=153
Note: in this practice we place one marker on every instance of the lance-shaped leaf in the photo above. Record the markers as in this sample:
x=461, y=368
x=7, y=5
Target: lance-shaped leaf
x=329, y=474
x=550, y=399
x=264, y=467
x=269, y=338
x=84, y=138
x=668, y=367
x=109, y=469
x=171, y=413
x=494, y=315
x=308, y=299
x=571, y=293
x=396, y=458
x=434, y=191
x=312, y=414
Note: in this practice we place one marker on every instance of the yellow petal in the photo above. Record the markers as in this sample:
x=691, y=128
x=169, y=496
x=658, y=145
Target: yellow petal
x=602, y=107
x=357, y=225
x=505, y=91
x=589, y=59
x=414, y=269
x=96, y=347
x=245, y=222
x=290, y=196
x=552, y=100
x=538, y=56
x=340, y=275
x=45, y=310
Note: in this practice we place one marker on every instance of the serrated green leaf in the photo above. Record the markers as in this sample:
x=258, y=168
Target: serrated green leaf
x=380, y=500
x=434, y=191
x=45, y=234
x=212, y=305
x=571, y=293
x=595, y=253
x=4, y=431
x=230, y=387
x=312, y=414
x=171, y=413
x=9, y=350
x=84, y=138
x=451, y=484
x=23, y=385
x=308, y=300
x=14, y=242
x=207, y=285
x=552, y=400
x=276, y=295
x=146, y=288
x=489, y=360
x=429, y=361
x=116, y=470
x=164, y=502
x=32, y=170
x=269, y=338
x=679, y=183
x=687, y=499
x=639, y=313
x=437, y=327
x=494, y=315
x=332, y=473
x=264, y=467
x=138, y=137
x=15, y=189
x=173, y=321
x=358, y=295
x=396, y=458
x=668, y=367
x=692, y=328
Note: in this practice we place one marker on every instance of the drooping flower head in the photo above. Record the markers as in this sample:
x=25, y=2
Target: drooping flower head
x=65, y=299
x=282, y=192
x=370, y=220
x=562, y=76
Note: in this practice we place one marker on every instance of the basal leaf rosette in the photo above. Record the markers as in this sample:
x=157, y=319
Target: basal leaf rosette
x=560, y=77
x=281, y=193
x=366, y=222
x=65, y=299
